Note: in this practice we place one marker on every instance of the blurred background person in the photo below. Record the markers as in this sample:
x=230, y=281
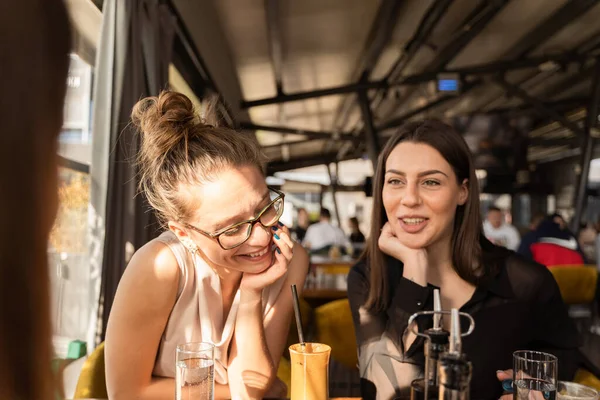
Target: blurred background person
x=587, y=240
x=302, y=224
x=552, y=244
x=323, y=235
x=34, y=48
x=357, y=239
x=498, y=231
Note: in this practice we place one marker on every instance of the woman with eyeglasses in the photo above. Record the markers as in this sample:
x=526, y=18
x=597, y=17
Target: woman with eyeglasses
x=222, y=271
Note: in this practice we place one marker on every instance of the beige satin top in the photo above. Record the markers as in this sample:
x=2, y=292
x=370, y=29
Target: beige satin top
x=198, y=312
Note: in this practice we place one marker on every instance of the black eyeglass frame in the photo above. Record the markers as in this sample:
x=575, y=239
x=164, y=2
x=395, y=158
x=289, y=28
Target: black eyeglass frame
x=216, y=235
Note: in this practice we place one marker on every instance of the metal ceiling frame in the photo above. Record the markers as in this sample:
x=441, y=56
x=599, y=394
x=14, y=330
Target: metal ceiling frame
x=309, y=161
x=370, y=132
x=317, y=135
x=275, y=41
x=189, y=63
x=587, y=148
x=474, y=70
x=470, y=27
x=538, y=105
x=379, y=36
x=544, y=31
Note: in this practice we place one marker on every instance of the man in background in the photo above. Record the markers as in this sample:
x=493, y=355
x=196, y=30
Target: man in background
x=323, y=235
x=499, y=232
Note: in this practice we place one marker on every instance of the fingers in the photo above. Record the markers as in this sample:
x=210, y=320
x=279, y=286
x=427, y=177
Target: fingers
x=504, y=375
x=279, y=267
x=284, y=242
x=506, y=378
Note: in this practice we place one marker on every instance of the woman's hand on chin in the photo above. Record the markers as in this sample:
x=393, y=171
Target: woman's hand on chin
x=414, y=260
x=282, y=256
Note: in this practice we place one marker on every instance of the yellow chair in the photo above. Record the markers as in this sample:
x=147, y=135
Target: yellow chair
x=577, y=284
x=333, y=326
x=306, y=312
x=92, y=379
x=284, y=372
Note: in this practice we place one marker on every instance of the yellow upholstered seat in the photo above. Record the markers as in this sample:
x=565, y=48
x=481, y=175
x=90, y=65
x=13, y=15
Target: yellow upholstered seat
x=92, y=379
x=333, y=326
x=307, y=318
x=577, y=284
x=284, y=372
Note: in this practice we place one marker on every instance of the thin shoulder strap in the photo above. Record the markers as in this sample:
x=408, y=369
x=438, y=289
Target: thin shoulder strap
x=180, y=252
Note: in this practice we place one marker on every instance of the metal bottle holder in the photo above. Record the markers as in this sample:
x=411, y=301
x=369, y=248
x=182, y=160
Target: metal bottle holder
x=433, y=336
x=434, y=313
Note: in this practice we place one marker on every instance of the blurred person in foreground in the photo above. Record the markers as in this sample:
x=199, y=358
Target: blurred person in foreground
x=426, y=233
x=34, y=59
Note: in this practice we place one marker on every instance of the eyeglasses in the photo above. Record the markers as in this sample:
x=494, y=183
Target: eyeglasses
x=235, y=235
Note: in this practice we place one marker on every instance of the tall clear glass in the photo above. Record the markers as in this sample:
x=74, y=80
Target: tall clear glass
x=310, y=371
x=534, y=375
x=195, y=371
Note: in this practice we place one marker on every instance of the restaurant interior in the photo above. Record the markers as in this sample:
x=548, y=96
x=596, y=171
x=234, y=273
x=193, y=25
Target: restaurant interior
x=322, y=85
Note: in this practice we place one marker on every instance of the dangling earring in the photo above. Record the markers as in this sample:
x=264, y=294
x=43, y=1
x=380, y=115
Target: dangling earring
x=189, y=244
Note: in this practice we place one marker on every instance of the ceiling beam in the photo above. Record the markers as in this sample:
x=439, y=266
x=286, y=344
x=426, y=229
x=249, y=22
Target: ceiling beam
x=525, y=108
x=551, y=142
x=569, y=12
x=399, y=120
x=280, y=145
x=538, y=105
x=275, y=41
x=378, y=39
x=370, y=133
x=320, y=159
x=295, y=131
x=587, y=145
x=471, y=26
x=432, y=17
x=474, y=70
x=430, y=20
x=545, y=30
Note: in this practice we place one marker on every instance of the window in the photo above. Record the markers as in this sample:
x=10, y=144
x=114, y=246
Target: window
x=68, y=246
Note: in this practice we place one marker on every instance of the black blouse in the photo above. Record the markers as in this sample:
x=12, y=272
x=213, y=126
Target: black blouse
x=518, y=308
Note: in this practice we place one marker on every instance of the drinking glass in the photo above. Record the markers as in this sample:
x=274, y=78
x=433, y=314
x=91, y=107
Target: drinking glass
x=575, y=391
x=195, y=371
x=534, y=375
x=310, y=371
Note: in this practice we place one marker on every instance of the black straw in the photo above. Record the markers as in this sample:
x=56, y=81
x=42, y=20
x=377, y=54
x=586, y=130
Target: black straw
x=297, y=313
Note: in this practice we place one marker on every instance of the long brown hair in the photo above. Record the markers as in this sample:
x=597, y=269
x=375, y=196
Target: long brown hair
x=34, y=60
x=179, y=147
x=466, y=234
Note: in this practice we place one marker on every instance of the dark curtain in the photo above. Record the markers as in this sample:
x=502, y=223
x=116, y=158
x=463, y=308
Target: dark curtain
x=133, y=62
